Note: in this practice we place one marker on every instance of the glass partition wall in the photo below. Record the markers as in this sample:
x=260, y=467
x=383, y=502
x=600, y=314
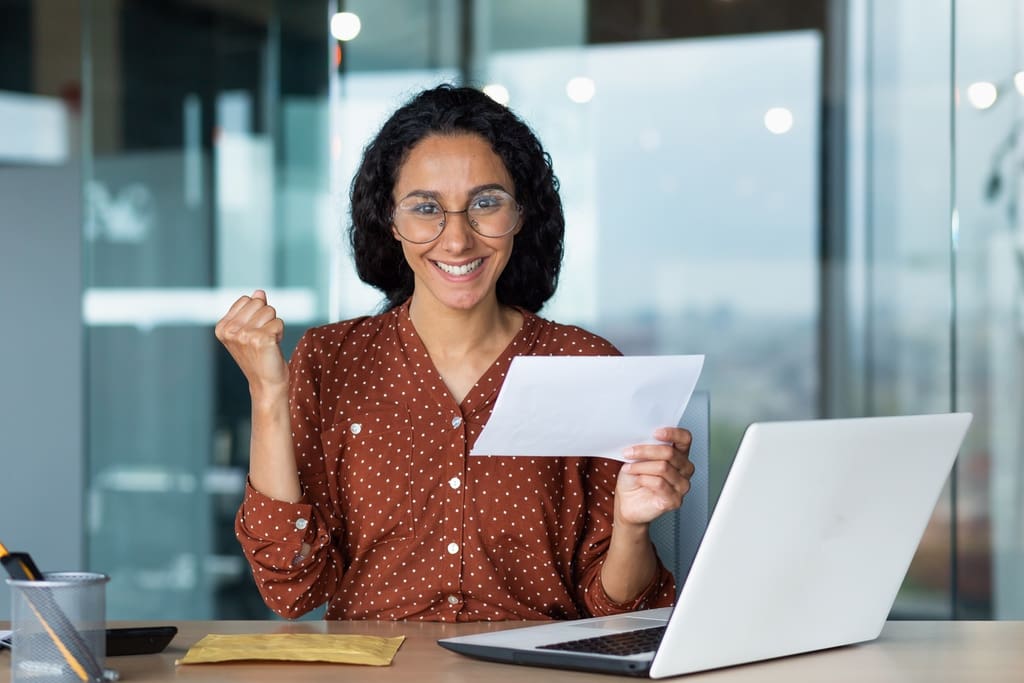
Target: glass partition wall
x=988, y=297
x=808, y=193
x=897, y=265
x=208, y=177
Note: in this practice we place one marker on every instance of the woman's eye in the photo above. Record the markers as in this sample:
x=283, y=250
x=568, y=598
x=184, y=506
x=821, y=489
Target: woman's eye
x=487, y=201
x=426, y=209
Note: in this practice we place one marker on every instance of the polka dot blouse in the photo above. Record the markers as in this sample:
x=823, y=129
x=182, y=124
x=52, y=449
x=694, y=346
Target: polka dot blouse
x=402, y=523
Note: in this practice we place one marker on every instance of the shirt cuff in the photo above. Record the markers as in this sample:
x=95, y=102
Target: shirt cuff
x=653, y=595
x=268, y=519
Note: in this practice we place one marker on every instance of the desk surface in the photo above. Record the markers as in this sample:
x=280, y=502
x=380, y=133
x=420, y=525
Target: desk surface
x=925, y=651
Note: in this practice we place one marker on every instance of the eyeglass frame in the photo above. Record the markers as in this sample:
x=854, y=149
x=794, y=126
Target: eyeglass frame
x=469, y=221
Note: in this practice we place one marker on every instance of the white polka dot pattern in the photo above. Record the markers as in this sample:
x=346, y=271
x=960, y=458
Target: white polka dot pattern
x=401, y=522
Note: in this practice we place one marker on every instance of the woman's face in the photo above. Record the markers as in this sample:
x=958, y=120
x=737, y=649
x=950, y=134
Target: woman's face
x=460, y=269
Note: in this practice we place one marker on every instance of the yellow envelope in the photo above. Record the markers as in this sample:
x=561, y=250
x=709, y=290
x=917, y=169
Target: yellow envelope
x=294, y=647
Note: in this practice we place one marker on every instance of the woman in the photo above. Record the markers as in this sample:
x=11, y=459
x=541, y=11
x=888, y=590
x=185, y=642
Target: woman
x=361, y=493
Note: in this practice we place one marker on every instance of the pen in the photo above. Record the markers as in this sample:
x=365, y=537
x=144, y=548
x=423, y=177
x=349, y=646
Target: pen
x=58, y=627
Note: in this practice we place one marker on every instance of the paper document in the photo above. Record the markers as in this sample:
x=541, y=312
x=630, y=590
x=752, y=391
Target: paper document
x=587, y=405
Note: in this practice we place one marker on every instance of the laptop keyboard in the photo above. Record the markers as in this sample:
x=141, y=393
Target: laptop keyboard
x=625, y=643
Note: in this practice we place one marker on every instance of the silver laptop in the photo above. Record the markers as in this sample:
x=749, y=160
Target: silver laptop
x=807, y=547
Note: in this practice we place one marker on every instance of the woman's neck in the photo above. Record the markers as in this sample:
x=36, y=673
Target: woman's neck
x=452, y=334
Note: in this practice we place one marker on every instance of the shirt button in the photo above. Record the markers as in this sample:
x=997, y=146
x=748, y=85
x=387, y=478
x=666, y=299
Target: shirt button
x=301, y=524
x=355, y=428
x=456, y=421
x=453, y=548
x=453, y=599
x=454, y=482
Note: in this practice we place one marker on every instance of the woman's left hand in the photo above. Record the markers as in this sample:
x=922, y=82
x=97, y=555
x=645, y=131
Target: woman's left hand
x=655, y=478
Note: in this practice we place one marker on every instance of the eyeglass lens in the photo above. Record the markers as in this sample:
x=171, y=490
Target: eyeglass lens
x=490, y=214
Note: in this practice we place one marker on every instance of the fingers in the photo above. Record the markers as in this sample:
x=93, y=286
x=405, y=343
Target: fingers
x=276, y=328
x=262, y=315
x=236, y=307
x=677, y=436
x=675, y=446
x=663, y=468
x=252, y=333
x=250, y=323
x=669, y=497
x=247, y=311
x=662, y=475
x=678, y=459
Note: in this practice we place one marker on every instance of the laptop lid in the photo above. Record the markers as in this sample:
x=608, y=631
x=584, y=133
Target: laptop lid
x=808, y=545
x=811, y=538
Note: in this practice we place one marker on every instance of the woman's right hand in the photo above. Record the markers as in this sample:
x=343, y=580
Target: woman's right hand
x=252, y=332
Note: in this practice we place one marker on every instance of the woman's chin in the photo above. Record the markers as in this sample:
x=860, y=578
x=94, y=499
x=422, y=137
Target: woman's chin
x=460, y=301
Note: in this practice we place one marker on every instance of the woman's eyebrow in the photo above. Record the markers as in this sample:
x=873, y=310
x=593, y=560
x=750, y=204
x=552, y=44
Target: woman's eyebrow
x=428, y=194
x=472, y=192
x=489, y=186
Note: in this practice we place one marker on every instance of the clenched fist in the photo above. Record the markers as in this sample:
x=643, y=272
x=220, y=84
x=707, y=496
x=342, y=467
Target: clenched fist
x=252, y=332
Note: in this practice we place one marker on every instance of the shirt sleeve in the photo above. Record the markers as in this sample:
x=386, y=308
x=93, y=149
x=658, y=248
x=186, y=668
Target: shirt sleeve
x=272, y=532
x=660, y=592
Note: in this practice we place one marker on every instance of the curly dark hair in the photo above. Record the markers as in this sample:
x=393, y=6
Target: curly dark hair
x=531, y=275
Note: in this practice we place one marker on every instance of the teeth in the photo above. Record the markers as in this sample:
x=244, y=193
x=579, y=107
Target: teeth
x=460, y=270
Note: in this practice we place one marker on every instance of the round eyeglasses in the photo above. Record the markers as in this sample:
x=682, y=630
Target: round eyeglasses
x=491, y=213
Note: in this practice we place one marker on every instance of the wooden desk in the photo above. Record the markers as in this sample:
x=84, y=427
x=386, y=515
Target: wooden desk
x=923, y=651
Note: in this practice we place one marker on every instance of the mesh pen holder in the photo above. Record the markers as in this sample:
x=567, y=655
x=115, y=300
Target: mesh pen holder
x=59, y=628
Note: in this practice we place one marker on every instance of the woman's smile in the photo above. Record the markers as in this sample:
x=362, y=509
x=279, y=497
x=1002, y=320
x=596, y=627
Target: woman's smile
x=459, y=270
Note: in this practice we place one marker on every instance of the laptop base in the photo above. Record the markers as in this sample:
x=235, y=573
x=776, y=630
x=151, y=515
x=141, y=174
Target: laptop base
x=552, y=659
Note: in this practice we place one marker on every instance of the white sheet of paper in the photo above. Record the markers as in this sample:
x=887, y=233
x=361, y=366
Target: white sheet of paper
x=587, y=405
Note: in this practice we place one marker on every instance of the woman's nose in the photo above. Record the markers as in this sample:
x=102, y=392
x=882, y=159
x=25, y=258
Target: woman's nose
x=457, y=234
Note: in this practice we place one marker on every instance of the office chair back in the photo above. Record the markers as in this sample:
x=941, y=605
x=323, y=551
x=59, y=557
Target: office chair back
x=677, y=534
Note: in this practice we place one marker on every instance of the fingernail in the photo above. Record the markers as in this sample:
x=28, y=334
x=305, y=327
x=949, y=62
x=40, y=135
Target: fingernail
x=629, y=452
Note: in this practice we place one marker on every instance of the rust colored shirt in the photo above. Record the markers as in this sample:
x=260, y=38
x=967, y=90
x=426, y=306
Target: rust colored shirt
x=403, y=524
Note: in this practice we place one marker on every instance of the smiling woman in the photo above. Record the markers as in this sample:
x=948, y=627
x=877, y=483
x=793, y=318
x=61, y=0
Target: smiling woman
x=361, y=493
x=505, y=153
x=458, y=266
